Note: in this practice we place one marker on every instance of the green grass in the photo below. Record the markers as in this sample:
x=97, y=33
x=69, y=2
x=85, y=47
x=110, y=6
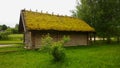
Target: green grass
x=16, y=37
x=95, y=56
x=13, y=39
x=14, y=47
x=10, y=42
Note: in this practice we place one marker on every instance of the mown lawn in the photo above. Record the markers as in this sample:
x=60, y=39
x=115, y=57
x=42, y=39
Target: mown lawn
x=95, y=56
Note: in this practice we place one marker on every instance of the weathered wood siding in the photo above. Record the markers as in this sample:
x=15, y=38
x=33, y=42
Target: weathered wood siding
x=37, y=35
x=75, y=38
x=27, y=39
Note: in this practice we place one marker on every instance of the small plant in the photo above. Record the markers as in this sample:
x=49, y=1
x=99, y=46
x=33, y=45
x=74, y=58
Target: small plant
x=55, y=49
x=65, y=39
x=46, y=43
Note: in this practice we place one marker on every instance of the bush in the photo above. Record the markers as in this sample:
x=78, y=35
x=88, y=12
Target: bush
x=46, y=43
x=65, y=39
x=55, y=49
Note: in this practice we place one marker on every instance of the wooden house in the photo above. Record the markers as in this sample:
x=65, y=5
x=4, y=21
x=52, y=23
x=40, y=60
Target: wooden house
x=35, y=24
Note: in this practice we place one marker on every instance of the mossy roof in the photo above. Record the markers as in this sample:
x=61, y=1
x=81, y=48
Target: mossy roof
x=45, y=21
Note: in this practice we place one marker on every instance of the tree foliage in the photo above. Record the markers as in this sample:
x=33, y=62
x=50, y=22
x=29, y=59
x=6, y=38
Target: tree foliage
x=15, y=29
x=4, y=34
x=3, y=27
x=103, y=15
x=5, y=31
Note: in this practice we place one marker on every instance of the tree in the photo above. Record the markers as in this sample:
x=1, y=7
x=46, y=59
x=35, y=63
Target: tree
x=4, y=27
x=4, y=34
x=103, y=15
x=0, y=27
x=15, y=29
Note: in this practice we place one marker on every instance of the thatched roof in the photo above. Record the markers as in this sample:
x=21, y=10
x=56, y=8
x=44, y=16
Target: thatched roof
x=44, y=21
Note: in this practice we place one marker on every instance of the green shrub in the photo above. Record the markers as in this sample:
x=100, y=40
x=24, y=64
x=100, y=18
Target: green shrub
x=65, y=39
x=46, y=43
x=55, y=49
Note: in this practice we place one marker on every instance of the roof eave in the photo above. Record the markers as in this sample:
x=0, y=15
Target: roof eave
x=22, y=27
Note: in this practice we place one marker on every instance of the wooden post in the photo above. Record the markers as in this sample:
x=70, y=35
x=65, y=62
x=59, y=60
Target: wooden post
x=33, y=40
x=28, y=42
x=41, y=11
x=46, y=12
x=52, y=13
x=90, y=38
x=24, y=38
x=36, y=10
x=94, y=37
x=118, y=39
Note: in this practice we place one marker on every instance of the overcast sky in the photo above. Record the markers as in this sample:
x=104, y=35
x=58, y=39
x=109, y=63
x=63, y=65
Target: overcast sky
x=10, y=9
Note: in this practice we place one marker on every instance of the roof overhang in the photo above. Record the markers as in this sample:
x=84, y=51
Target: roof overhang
x=22, y=27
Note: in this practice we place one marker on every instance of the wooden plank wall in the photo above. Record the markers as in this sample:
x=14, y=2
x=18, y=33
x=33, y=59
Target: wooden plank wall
x=76, y=38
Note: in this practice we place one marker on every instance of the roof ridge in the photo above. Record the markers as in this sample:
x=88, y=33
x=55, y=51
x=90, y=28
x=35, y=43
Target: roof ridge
x=24, y=10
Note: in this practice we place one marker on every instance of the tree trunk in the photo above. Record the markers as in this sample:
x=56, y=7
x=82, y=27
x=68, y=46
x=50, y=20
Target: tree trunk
x=103, y=38
x=94, y=37
x=108, y=40
x=118, y=39
x=90, y=38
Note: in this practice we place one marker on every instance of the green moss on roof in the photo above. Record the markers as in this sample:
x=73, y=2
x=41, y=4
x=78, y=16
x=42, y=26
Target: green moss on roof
x=43, y=21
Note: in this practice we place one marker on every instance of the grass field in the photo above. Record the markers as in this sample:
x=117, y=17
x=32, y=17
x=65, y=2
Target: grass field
x=95, y=56
x=15, y=36
x=13, y=39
